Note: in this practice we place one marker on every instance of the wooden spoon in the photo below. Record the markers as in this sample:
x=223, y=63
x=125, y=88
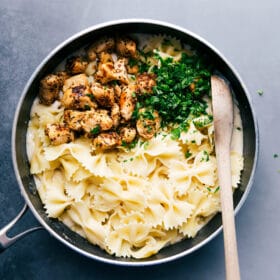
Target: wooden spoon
x=223, y=124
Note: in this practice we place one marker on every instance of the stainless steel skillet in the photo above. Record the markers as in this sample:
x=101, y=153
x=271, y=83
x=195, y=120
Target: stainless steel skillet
x=21, y=165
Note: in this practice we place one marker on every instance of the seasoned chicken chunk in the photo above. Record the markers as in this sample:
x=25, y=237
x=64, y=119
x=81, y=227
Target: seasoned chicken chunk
x=104, y=44
x=63, y=76
x=59, y=134
x=79, y=98
x=109, y=71
x=106, y=141
x=127, y=102
x=77, y=94
x=75, y=81
x=118, y=92
x=148, y=123
x=115, y=115
x=91, y=68
x=120, y=71
x=104, y=95
x=127, y=134
x=145, y=83
x=76, y=65
x=106, y=70
x=88, y=120
x=126, y=47
x=49, y=89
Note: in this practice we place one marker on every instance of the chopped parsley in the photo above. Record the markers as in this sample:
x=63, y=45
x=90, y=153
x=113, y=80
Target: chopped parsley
x=260, y=92
x=87, y=107
x=275, y=155
x=205, y=156
x=175, y=133
x=91, y=96
x=217, y=189
x=173, y=97
x=95, y=130
x=188, y=154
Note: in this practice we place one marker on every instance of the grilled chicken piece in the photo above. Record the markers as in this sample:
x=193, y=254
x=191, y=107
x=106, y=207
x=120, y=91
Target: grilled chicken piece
x=120, y=71
x=79, y=98
x=76, y=65
x=49, y=89
x=77, y=94
x=63, y=76
x=127, y=102
x=75, y=81
x=91, y=68
x=59, y=134
x=126, y=47
x=88, y=120
x=109, y=71
x=104, y=95
x=105, y=44
x=145, y=83
x=148, y=123
x=106, y=141
x=118, y=92
x=127, y=134
x=105, y=68
x=115, y=115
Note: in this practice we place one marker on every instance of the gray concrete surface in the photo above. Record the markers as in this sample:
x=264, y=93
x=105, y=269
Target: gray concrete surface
x=247, y=32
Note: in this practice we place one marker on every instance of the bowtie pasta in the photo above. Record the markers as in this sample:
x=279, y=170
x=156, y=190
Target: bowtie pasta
x=121, y=144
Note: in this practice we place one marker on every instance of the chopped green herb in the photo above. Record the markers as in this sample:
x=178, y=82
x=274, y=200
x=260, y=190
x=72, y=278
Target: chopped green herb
x=133, y=94
x=260, y=92
x=87, y=107
x=203, y=122
x=95, y=130
x=217, y=189
x=275, y=155
x=188, y=154
x=91, y=96
x=172, y=96
x=205, y=156
x=209, y=189
x=238, y=128
x=132, y=62
x=175, y=133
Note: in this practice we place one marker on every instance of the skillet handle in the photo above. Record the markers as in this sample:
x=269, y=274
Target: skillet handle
x=5, y=240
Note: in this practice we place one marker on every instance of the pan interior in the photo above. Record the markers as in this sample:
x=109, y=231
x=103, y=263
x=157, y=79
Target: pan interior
x=22, y=167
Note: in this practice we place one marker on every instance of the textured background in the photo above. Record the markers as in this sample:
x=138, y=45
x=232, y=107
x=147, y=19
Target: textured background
x=247, y=32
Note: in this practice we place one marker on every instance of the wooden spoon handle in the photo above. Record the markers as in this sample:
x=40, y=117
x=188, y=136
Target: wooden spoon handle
x=223, y=123
x=230, y=244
